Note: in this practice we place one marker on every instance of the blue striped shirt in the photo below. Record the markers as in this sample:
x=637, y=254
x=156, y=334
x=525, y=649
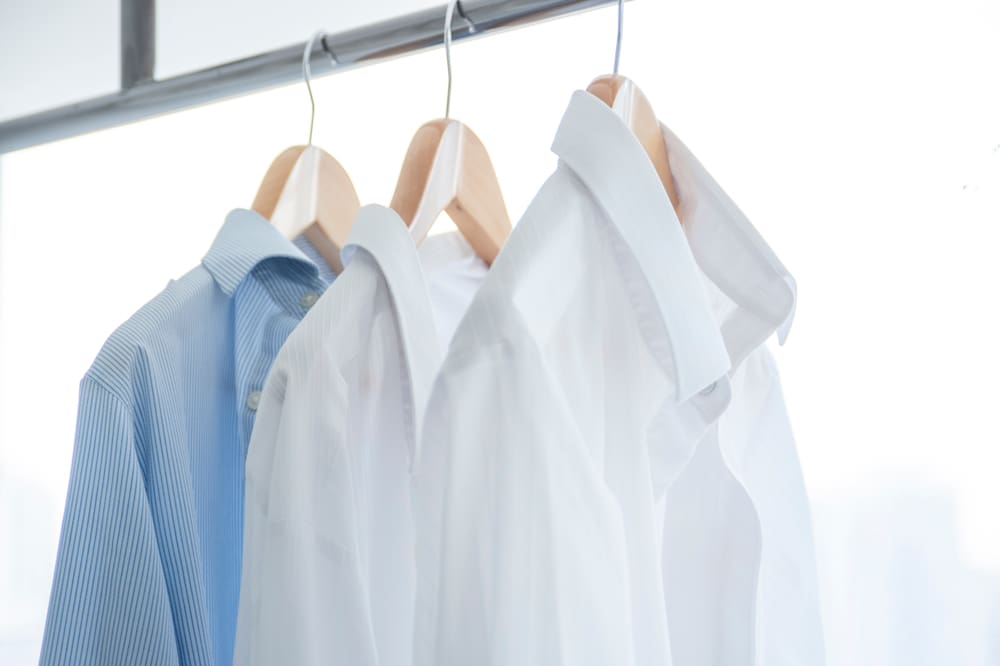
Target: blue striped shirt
x=148, y=568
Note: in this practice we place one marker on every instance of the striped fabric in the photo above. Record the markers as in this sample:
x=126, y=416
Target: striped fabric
x=148, y=568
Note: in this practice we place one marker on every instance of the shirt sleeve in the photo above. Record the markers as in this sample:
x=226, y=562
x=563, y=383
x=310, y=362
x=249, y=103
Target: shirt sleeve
x=109, y=602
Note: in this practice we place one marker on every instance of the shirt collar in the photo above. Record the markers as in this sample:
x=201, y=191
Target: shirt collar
x=245, y=241
x=382, y=234
x=601, y=150
x=759, y=292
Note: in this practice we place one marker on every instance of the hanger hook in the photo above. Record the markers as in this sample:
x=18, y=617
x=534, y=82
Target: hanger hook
x=618, y=42
x=307, y=73
x=449, y=13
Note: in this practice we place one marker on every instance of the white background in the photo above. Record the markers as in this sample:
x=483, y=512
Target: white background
x=859, y=136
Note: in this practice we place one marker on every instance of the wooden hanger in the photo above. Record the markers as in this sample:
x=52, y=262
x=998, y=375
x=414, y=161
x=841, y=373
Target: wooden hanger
x=447, y=169
x=306, y=191
x=618, y=91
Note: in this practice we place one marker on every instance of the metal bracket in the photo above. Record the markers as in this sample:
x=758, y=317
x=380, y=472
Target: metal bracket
x=138, y=42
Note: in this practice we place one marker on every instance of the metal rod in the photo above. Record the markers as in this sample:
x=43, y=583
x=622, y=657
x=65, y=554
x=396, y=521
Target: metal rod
x=138, y=41
x=399, y=36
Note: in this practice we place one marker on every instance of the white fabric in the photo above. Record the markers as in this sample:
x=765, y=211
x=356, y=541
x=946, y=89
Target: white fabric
x=453, y=273
x=604, y=474
x=739, y=560
x=570, y=386
x=609, y=424
x=328, y=569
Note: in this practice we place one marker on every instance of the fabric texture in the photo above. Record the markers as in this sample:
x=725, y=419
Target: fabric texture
x=739, y=559
x=607, y=473
x=329, y=572
x=148, y=566
x=584, y=353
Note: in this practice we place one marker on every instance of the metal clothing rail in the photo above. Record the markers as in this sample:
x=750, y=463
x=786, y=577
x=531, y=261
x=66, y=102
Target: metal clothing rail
x=142, y=96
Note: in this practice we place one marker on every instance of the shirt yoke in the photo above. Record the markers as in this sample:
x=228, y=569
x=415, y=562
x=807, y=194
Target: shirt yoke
x=155, y=327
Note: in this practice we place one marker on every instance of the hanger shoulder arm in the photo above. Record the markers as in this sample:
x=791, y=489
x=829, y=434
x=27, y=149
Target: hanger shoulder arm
x=416, y=169
x=273, y=182
x=478, y=209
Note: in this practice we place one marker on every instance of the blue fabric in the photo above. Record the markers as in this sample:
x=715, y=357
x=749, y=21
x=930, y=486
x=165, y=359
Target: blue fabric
x=148, y=568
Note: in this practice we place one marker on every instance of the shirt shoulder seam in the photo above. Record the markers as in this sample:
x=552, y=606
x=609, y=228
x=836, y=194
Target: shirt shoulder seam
x=110, y=390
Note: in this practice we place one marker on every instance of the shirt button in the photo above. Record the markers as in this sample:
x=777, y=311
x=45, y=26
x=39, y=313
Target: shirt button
x=253, y=400
x=308, y=299
x=710, y=389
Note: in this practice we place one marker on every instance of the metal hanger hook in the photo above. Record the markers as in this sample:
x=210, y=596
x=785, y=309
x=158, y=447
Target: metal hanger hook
x=449, y=13
x=307, y=74
x=618, y=42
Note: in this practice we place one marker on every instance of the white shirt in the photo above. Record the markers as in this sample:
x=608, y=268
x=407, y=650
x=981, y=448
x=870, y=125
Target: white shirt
x=328, y=565
x=578, y=403
x=739, y=559
x=608, y=425
x=570, y=388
